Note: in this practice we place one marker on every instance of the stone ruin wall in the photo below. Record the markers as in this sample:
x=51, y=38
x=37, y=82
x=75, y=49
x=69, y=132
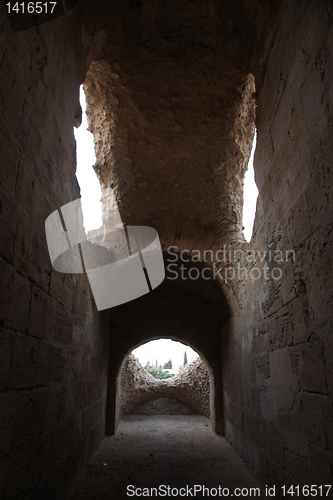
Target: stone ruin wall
x=191, y=387
x=277, y=348
x=53, y=343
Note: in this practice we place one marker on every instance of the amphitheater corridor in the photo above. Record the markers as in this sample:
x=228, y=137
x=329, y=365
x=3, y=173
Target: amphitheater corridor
x=160, y=451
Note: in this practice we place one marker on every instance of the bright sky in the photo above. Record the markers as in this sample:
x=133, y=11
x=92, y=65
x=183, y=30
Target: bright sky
x=250, y=195
x=89, y=184
x=162, y=350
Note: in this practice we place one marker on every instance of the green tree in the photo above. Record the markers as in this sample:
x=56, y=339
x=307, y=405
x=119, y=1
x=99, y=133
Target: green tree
x=157, y=372
x=185, y=359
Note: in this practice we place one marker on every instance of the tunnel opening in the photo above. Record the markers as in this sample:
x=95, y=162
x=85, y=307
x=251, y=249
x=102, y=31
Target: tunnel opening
x=165, y=354
x=167, y=312
x=165, y=388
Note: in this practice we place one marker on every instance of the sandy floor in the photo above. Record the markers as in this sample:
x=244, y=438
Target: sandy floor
x=172, y=450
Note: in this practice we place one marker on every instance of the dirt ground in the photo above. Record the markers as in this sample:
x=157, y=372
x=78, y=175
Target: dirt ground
x=168, y=450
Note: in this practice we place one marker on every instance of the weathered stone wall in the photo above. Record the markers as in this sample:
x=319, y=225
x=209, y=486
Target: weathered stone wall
x=278, y=414
x=277, y=355
x=164, y=406
x=190, y=386
x=53, y=344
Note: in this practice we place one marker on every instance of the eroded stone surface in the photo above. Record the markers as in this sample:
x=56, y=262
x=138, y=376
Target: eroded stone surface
x=191, y=386
x=173, y=134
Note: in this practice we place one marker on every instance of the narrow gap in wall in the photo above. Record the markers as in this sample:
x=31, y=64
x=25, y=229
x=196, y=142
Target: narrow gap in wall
x=86, y=176
x=250, y=195
x=156, y=354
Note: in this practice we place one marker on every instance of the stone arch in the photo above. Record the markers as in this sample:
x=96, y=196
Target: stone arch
x=167, y=312
x=165, y=388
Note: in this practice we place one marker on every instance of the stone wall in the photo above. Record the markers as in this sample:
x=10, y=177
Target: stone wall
x=190, y=386
x=164, y=406
x=277, y=353
x=53, y=343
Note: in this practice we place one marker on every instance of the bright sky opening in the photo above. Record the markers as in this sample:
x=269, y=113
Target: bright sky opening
x=86, y=176
x=250, y=194
x=162, y=350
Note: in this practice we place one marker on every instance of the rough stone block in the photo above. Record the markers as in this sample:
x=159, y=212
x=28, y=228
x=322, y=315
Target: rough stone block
x=282, y=385
x=319, y=138
x=8, y=404
x=55, y=364
x=42, y=314
x=12, y=93
x=31, y=256
x=314, y=86
x=15, y=298
x=282, y=116
x=328, y=418
x=321, y=466
x=307, y=419
x=329, y=367
x=280, y=328
x=308, y=359
x=63, y=325
x=283, y=419
x=299, y=222
x=14, y=472
x=39, y=459
x=30, y=415
x=30, y=195
x=292, y=463
x=317, y=199
x=265, y=442
x=288, y=282
x=299, y=315
x=29, y=136
x=8, y=222
x=9, y=157
x=29, y=367
x=6, y=348
x=263, y=368
x=296, y=444
x=311, y=17
x=80, y=306
x=62, y=288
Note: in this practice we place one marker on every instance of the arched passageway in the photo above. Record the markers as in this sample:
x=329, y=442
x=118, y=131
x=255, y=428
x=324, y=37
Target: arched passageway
x=177, y=382
x=167, y=312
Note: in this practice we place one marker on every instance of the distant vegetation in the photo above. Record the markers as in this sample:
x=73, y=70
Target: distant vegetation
x=157, y=372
